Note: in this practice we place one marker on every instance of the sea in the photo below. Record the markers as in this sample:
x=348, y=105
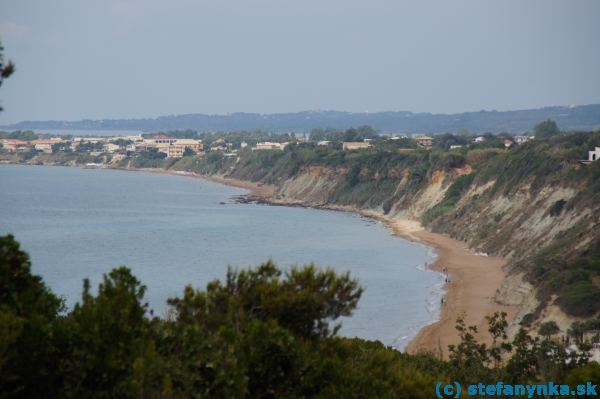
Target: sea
x=174, y=230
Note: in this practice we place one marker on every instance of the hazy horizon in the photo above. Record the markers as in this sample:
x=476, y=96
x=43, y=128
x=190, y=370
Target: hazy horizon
x=144, y=59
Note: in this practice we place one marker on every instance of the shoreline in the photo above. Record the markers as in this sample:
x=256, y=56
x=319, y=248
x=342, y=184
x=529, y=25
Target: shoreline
x=474, y=278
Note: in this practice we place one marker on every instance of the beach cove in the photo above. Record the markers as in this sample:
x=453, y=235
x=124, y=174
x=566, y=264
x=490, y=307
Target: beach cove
x=190, y=230
x=473, y=278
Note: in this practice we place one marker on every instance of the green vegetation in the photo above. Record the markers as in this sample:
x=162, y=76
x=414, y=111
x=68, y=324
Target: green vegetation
x=260, y=333
x=25, y=135
x=548, y=329
x=6, y=68
x=574, y=281
x=546, y=129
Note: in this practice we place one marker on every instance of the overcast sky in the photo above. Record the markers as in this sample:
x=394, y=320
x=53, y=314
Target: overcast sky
x=144, y=58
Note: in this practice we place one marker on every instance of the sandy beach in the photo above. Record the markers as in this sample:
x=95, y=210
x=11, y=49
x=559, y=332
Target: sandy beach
x=474, y=278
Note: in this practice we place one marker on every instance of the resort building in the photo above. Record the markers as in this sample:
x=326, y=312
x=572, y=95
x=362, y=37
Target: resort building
x=44, y=145
x=110, y=147
x=15, y=145
x=355, y=145
x=160, y=139
x=177, y=148
x=424, y=141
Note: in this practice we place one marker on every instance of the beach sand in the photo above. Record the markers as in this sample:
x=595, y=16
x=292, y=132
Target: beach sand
x=474, y=278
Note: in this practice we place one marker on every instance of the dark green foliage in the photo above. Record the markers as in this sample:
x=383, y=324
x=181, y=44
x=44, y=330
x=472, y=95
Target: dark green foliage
x=548, y=329
x=546, y=129
x=557, y=207
x=527, y=319
x=573, y=282
x=305, y=302
x=261, y=333
x=6, y=68
x=581, y=298
x=188, y=152
x=25, y=135
x=352, y=134
x=106, y=336
x=28, y=310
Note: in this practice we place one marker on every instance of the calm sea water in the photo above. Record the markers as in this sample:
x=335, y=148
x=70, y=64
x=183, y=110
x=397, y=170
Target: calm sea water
x=172, y=231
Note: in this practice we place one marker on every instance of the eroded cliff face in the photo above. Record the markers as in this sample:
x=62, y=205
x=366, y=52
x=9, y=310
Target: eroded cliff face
x=515, y=225
x=518, y=224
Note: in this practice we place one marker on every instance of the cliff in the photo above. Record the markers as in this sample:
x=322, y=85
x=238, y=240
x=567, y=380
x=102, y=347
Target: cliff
x=534, y=205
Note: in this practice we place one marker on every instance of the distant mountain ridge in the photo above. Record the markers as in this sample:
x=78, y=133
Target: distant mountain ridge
x=584, y=117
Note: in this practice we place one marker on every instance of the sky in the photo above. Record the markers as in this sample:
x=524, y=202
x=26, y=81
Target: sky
x=86, y=59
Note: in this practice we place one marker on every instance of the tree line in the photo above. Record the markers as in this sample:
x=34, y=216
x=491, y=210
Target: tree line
x=259, y=333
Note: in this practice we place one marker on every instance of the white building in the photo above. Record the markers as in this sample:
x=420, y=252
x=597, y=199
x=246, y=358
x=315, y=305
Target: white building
x=522, y=139
x=110, y=147
x=355, y=145
x=424, y=141
x=267, y=145
x=594, y=155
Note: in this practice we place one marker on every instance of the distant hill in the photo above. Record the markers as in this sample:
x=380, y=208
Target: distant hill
x=585, y=117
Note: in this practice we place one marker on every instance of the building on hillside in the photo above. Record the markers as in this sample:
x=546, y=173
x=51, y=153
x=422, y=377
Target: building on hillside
x=424, y=141
x=93, y=140
x=160, y=139
x=15, y=145
x=243, y=144
x=175, y=149
x=455, y=146
x=522, y=139
x=398, y=136
x=111, y=148
x=355, y=145
x=323, y=142
x=594, y=155
x=508, y=143
x=44, y=145
x=267, y=145
x=479, y=139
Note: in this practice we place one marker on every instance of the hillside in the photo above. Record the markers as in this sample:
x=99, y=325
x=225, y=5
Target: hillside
x=533, y=204
x=585, y=117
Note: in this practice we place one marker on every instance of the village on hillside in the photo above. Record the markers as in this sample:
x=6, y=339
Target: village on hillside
x=161, y=146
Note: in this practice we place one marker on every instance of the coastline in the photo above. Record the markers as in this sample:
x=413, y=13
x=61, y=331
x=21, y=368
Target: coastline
x=474, y=277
